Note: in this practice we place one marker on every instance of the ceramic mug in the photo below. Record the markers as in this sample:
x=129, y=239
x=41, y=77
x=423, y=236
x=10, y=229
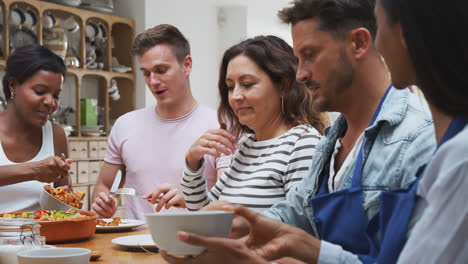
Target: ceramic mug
x=114, y=91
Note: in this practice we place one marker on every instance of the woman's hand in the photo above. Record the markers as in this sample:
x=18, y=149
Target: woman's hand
x=51, y=169
x=212, y=142
x=166, y=195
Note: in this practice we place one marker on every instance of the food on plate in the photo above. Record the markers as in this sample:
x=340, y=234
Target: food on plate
x=115, y=222
x=45, y=215
x=60, y=193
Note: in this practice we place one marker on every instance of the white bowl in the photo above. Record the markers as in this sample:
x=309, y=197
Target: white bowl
x=164, y=228
x=48, y=202
x=54, y=256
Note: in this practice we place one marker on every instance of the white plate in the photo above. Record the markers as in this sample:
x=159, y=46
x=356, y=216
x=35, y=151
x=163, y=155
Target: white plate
x=121, y=69
x=135, y=241
x=92, y=133
x=73, y=3
x=98, y=8
x=126, y=224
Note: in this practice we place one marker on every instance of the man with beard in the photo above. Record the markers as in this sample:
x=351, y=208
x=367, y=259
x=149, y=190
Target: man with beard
x=380, y=140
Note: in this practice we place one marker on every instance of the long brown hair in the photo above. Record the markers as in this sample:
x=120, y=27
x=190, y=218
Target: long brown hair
x=276, y=58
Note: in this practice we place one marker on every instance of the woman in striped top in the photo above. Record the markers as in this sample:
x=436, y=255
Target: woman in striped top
x=262, y=103
x=261, y=172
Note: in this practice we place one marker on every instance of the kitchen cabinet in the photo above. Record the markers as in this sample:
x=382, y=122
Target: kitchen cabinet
x=117, y=45
x=88, y=157
x=94, y=47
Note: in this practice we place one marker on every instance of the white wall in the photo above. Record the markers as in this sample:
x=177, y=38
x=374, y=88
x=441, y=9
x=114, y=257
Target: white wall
x=198, y=21
x=135, y=9
x=262, y=19
x=232, y=27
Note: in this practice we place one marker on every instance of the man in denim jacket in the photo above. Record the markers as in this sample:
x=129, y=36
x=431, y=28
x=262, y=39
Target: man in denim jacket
x=395, y=145
x=379, y=142
x=402, y=139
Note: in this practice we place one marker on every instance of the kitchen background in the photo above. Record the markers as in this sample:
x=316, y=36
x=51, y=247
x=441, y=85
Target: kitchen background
x=211, y=27
x=103, y=80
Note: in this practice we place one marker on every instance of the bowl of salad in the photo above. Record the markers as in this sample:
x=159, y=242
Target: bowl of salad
x=59, y=226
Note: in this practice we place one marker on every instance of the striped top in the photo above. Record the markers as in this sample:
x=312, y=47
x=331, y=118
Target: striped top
x=261, y=172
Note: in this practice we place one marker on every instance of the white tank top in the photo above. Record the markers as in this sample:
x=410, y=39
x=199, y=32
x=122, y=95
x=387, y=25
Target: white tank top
x=24, y=196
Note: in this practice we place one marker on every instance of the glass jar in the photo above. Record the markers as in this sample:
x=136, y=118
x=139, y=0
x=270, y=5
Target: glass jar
x=17, y=235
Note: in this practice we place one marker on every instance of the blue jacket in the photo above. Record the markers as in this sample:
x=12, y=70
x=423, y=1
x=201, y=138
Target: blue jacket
x=400, y=141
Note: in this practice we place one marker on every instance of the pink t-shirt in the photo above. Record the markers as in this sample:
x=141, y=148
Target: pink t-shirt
x=153, y=150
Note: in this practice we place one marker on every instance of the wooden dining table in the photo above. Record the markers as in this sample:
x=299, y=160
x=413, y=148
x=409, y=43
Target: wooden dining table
x=115, y=254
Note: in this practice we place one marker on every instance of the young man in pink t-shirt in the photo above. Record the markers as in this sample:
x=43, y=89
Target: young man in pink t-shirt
x=149, y=145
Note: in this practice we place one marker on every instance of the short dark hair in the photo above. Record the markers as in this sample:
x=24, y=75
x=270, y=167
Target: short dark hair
x=26, y=61
x=435, y=34
x=276, y=58
x=162, y=34
x=334, y=16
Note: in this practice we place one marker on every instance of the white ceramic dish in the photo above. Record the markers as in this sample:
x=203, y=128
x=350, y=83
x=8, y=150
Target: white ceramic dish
x=126, y=224
x=164, y=228
x=93, y=133
x=122, y=69
x=54, y=256
x=73, y=3
x=92, y=128
x=135, y=241
x=102, y=9
x=49, y=202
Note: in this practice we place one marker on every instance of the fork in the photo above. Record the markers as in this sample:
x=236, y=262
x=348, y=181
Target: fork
x=131, y=191
x=70, y=187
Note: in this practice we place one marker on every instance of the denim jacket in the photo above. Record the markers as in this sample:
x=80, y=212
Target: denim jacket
x=396, y=145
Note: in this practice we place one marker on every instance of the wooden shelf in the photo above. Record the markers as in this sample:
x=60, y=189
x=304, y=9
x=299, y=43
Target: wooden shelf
x=105, y=74
x=83, y=138
x=116, y=27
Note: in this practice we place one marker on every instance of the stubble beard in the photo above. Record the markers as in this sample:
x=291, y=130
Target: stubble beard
x=339, y=80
